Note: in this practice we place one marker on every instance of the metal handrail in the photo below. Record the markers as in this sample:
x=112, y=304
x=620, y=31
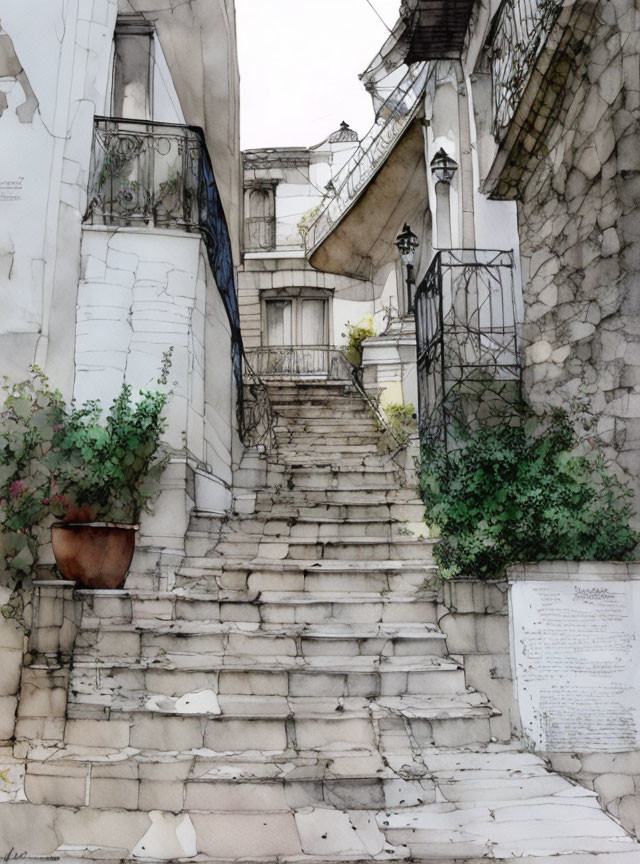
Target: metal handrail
x=518, y=35
x=392, y=118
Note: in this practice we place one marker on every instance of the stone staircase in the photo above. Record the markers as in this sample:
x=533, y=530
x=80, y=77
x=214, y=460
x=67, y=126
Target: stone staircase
x=285, y=692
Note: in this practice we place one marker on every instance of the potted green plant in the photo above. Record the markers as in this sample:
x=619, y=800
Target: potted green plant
x=104, y=476
x=29, y=419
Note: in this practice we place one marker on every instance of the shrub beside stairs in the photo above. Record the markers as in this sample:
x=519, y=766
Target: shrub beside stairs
x=284, y=692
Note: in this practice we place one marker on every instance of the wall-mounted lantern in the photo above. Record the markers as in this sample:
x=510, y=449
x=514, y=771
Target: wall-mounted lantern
x=407, y=243
x=443, y=167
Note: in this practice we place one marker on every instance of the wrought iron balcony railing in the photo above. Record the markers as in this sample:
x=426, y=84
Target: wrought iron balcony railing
x=519, y=33
x=392, y=118
x=145, y=173
x=299, y=361
x=467, y=337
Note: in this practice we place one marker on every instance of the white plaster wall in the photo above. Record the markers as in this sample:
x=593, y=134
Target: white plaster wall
x=348, y=311
x=43, y=175
x=293, y=200
x=166, y=104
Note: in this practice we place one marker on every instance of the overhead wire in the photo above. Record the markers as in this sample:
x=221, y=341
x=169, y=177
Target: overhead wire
x=379, y=15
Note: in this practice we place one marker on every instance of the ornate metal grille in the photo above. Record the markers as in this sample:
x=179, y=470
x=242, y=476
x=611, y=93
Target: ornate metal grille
x=298, y=361
x=144, y=173
x=519, y=32
x=467, y=335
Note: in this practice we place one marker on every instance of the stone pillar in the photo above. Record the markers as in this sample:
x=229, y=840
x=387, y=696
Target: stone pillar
x=42, y=703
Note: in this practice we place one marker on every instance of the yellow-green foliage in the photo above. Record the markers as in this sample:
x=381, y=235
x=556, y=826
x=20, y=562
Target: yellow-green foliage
x=356, y=334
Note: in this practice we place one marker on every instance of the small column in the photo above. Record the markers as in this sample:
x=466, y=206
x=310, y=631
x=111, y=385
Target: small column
x=45, y=677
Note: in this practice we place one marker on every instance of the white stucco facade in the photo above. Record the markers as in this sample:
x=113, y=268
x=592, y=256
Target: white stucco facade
x=96, y=305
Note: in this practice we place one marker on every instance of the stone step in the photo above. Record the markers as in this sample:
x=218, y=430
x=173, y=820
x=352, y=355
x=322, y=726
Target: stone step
x=226, y=675
x=398, y=548
x=337, y=462
x=318, y=527
x=323, y=478
x=281, y=607
x=277, y=724
x=454, y=807
x=285, y=495
x=352, y=416
x=338, y=780
x=189, y=644
x=197, y=784
x=268, y=508
x=325, y=447
x=309, y=435
x=212, y=574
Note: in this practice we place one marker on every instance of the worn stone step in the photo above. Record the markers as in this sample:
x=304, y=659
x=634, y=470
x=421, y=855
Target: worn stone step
x=289, y=607
x=318, y=511
x=338, y=599
x=282, y=676
x=343, y=549
x=324, y=477
x=197, y=784
x=323, y=450
x=315, y=527
x=547, y=825
x=222, y=723
x=285, y=495
x=316, y=807
x=212, y=574
x=325, y=435
x=349, y=416
x=190, y=643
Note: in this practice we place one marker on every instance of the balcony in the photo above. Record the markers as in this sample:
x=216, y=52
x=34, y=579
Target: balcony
x=145, y=173
x=299, y=361
x=467, y=338
x=160, y=175
x=519, y=33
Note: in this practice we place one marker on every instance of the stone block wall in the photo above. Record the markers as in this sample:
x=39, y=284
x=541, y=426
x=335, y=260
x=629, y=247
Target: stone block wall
x=143, y=291
x=11, y=651
x=580, y=243
x=474, y=615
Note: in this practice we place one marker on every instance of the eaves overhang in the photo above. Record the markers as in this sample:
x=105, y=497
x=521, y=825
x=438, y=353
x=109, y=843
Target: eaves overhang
x=364, y=238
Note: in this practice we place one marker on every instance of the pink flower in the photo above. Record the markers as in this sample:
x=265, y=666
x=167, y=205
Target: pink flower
x=46, y=501
x=17, y=489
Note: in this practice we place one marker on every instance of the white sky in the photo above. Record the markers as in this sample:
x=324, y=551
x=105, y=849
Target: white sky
x=299, y=66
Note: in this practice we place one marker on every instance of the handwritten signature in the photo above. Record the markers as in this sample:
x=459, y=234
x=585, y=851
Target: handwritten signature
x=14, y=855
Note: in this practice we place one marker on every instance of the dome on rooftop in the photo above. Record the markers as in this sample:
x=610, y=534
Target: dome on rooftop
x=344, y=135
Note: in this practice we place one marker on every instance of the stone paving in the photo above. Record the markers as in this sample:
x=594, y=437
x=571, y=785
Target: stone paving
x=285, y=693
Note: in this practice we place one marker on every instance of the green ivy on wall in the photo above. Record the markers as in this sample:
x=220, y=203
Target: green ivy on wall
x=520, y=491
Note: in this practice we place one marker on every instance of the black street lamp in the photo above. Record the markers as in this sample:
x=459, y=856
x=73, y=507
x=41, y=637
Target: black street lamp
x=443, y=167
x=407, y=243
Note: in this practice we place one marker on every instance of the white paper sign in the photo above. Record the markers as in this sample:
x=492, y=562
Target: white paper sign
x=576, y=656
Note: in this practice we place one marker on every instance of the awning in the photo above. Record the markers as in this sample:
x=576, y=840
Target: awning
x=364, y=238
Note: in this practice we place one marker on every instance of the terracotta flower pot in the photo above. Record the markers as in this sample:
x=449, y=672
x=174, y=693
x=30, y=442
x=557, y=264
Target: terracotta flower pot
x=94, y=555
